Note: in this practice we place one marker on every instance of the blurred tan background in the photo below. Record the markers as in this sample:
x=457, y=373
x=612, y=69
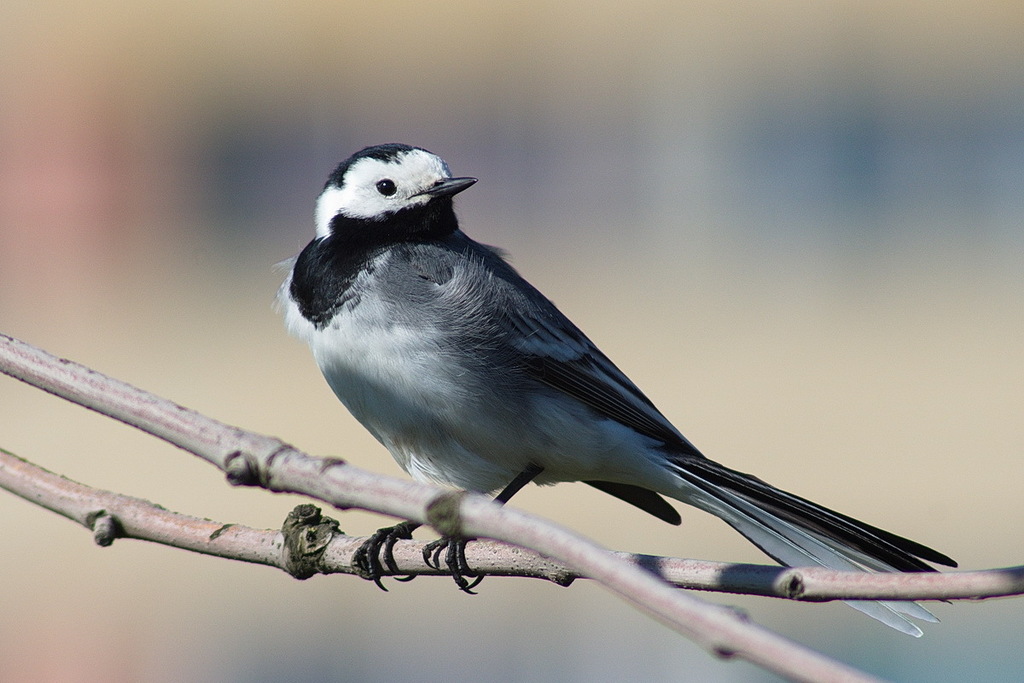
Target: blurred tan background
x=796, y=225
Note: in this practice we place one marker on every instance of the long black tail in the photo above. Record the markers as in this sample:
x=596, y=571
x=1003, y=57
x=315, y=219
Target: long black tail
x=796, y=532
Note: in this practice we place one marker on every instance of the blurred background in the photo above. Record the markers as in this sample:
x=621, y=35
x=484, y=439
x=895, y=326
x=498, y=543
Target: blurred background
x=796, y=225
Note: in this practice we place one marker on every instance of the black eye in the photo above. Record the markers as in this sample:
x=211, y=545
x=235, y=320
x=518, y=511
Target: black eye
x=386, y=187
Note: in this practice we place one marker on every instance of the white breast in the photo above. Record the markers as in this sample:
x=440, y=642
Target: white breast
x=388, y=375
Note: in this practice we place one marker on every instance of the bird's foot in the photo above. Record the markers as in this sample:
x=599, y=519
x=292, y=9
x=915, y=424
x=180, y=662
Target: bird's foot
x=454, y=550
x=380, y=546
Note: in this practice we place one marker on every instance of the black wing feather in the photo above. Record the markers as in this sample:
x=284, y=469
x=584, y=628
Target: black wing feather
x=645, y=499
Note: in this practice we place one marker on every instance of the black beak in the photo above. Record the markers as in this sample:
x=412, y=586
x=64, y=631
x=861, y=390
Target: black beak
x=447, y=187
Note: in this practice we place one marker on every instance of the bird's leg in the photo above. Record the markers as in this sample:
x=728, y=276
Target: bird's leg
x=455, y=548
x=516, y=485
x=367, y=558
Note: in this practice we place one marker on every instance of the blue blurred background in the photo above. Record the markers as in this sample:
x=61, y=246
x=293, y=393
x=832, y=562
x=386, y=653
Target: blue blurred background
x=796, y=225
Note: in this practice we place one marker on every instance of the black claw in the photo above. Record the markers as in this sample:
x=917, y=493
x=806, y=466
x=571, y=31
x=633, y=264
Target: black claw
x=375, y=559
x=454, y=559
x=381, y=545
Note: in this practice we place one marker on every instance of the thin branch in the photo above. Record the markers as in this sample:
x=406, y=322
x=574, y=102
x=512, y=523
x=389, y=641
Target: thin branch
x=112, y=515
x=252, y=459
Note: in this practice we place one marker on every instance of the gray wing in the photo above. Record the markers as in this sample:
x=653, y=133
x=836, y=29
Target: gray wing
x=556, y=353
x=536, y=339
x=539, y=342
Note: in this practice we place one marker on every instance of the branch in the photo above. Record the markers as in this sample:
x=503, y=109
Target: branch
x=256, y=460
x=328, y=550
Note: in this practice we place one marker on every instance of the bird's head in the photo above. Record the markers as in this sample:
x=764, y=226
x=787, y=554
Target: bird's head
x=391, y=184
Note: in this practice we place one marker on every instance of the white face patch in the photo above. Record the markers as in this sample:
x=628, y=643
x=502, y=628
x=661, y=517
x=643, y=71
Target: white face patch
x=358, y=197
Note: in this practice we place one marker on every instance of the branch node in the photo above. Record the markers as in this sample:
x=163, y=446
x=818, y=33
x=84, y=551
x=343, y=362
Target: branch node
x=307, y=534
x=793, y=585
x=241, y=469
x=443, y=513
x=105, y=527
x=328, y=463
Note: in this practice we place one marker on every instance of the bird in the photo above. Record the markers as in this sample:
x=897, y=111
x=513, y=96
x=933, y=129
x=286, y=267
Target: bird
x=472, y=378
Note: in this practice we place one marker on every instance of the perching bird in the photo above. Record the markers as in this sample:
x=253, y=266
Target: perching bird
x=471, y=377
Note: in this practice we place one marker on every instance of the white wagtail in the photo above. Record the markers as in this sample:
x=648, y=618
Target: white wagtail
x=472, y=378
